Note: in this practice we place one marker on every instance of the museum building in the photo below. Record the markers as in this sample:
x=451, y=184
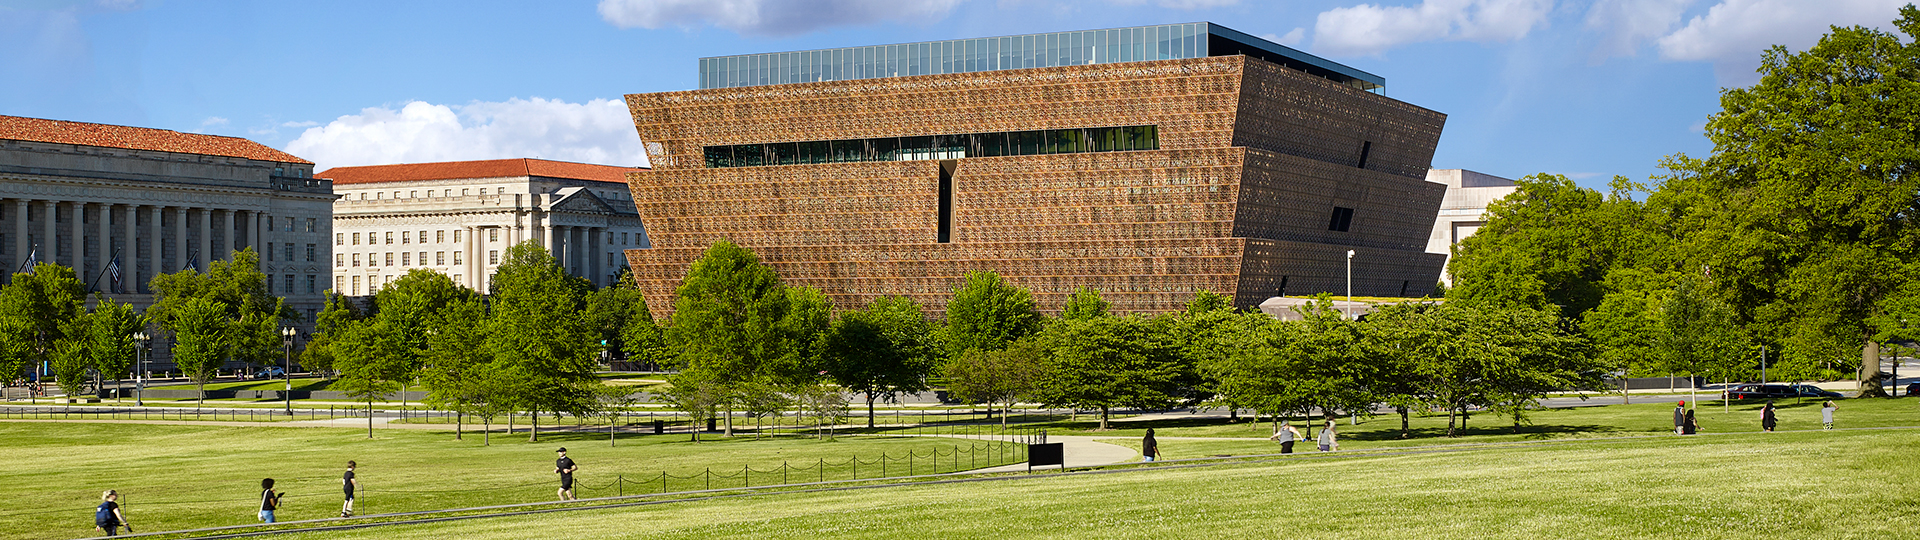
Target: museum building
x=458, y=218
x=1148, y=163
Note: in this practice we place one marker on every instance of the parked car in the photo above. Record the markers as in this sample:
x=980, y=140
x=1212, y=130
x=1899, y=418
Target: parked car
x=1780, y=391
x=1913, y=389
x=270, y=373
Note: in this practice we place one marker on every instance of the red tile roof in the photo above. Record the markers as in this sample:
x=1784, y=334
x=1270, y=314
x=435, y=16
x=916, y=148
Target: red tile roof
x=137, y=138
x=493, y=168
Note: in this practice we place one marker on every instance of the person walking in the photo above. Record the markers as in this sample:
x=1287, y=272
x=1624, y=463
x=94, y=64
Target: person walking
x=1680, y=418
x=1286, y=435
x=349, y=484
x=106, y=517
x=1826, y=415
x=269, y=500
x=1328, y=441
x=1149, y=448
x=1767, y=419
x=565, y=467
x=1691, y=426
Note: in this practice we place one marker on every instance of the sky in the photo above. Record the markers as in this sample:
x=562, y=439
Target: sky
x=1586, y=88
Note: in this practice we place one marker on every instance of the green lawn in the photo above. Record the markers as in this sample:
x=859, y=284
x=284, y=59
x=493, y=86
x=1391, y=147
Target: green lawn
x=179, y=477
x=1843, y=484
x=1607, y=421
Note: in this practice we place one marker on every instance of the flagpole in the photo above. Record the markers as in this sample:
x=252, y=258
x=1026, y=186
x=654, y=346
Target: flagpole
x=95, y=285
x=32, y=256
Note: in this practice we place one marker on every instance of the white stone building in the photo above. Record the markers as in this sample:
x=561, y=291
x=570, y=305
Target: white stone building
x=459, y=218
x=1463, y=209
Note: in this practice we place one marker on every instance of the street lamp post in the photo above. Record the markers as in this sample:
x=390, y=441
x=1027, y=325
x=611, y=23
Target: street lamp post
x=286, y=365
x=140, y=358
x=1349, y=284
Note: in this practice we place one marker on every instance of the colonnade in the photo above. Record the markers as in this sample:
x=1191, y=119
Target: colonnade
x=149, y=239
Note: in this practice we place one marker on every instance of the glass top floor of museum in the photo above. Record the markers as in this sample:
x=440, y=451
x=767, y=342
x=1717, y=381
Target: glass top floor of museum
x=1142, y=43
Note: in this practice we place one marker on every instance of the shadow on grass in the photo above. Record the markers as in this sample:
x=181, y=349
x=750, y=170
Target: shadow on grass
x=1536, y=431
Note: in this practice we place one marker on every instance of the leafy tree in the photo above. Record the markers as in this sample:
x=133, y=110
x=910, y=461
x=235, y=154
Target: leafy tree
x=1697, y=334
x=73, y=358
x=694, y=394
x=458, y=364
x=1326, y=362
x=1550, y=242
x=201, y=330
x=1819, y=154
x=36, y=310
x=1085, y=303
x=826, y=404
x=114, y=325
x=237, y=285
x=998, y=377
x=333, y=320
x=730, y=320
x=535, y=332
x=611, y=310
x=804, y=326
x=372, y=357
x=643, y=340
x=761, y=399
x=987, y=313
x=1110, y=362
x=1205, y=301
x=1625, y=326
x=879, y=352
x=1526, y=355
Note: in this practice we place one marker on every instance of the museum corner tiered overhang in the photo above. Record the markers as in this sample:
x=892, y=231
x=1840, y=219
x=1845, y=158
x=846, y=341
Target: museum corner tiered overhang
x=1148, y=163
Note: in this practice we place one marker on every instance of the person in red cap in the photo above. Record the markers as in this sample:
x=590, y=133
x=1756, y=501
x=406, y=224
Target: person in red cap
x=1680, y=418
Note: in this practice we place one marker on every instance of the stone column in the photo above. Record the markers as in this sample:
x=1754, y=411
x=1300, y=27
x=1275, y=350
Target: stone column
x=155, y=262
x=539, y=230
x=103, y=253
x=224, y=228
x=205, y=255
x=21, y=245
x=130, y=249
x=79, y=250
x=466, y=266
x=258, y=235
x=599, y=259
x=180, y=247
x=48, y=234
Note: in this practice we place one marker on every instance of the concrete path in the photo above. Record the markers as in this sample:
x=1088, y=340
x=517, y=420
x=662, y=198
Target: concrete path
x=1079, y=451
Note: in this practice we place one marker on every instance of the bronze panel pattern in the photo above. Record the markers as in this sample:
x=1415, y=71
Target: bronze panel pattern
x=1222, y=205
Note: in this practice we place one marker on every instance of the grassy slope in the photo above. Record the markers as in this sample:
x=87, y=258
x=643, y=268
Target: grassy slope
x=1801, y=485
x=177, y=477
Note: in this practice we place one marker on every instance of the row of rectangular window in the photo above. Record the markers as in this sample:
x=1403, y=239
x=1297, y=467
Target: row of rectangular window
x=373, y=283
x=1014, y=143
x=440, y=237
x=313, y=252
x=406, y=258
x=287, y=286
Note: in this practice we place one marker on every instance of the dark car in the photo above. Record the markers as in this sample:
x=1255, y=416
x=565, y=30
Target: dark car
x=1913, y=389
x=1780, y=391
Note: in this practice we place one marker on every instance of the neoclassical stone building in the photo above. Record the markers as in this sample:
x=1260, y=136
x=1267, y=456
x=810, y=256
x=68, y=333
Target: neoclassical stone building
x=459, y=218
x=83, y=194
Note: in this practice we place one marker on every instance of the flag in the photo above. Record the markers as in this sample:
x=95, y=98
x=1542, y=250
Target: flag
x=113, y=269
x=190, y=260
x=33, y=258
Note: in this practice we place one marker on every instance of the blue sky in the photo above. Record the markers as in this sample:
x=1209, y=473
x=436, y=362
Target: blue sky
x=1588, y=88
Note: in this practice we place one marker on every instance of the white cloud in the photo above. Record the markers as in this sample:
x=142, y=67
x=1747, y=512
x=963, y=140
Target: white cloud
x=213, y=121
x=1367, y=29
x=308, y=123
x=770, y=17
x=1292, y=39
x=1624, y=25
x=598, y=131
x=1733, y=33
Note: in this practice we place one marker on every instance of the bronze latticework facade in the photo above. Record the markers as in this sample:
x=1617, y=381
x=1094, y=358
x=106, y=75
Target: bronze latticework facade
x=1262, y=179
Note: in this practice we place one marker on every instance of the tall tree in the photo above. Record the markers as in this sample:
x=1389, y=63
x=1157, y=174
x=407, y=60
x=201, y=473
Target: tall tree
x=1698, y=335
x=1549, y=243
x=612, y=309
x=36, y=310
x=114, y=325
x=986, y=313
x=201, y=330
x=878, y=352
x=1205, y=301
x=730, y=319
x=332, y=321
x=535, y=331
x=1821, y=155
x=457, y=370
x=1000, y=377
x=1110, y=362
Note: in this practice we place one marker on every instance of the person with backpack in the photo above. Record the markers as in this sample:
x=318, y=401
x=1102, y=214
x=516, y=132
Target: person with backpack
x=106, y=517
x=269, y=500
x=1767, y=418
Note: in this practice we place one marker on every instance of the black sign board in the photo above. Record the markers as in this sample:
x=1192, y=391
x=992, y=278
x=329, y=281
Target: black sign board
x=1046, y=454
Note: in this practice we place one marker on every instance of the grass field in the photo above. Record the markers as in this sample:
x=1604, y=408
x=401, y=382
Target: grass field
x=1842, y=484
x=1607, y=421
x=178, y=477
